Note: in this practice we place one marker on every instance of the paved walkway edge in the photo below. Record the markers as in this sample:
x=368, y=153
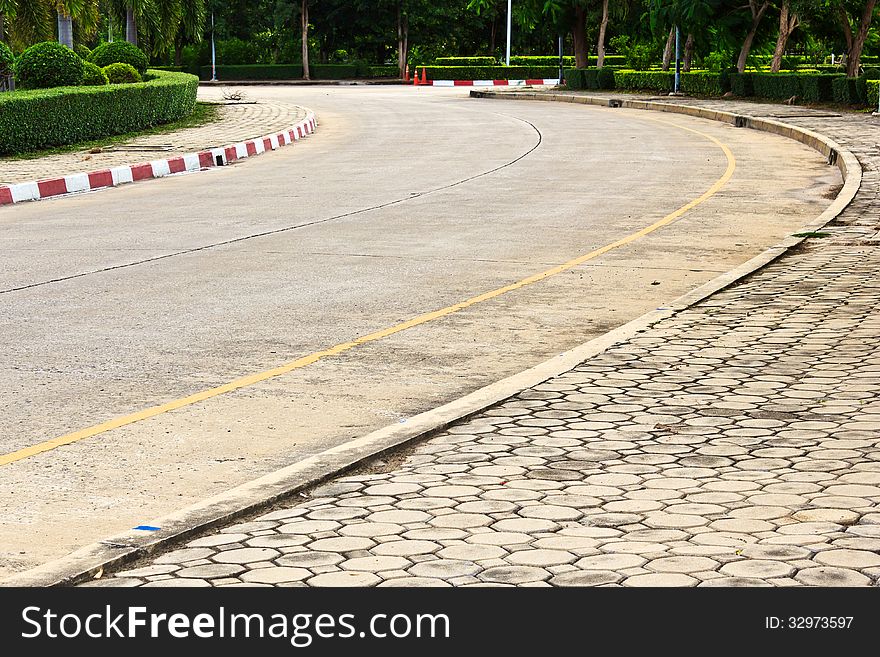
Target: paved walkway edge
x=89, y=562
x=89, y=181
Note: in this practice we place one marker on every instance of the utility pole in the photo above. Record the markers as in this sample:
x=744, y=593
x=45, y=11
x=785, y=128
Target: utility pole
x=213, y=52
x=507, y=59
x=677, y=60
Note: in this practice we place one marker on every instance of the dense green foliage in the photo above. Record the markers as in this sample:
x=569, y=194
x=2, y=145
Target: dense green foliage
x=120, y=52
x=48, y=64
x=7, y=60
x=32, y=120
x=93, y=76
x=121, y=73
x=466, y=61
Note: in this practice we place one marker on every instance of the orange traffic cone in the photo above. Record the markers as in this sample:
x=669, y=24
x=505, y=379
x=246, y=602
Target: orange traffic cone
x=424, y=79
x=416, y=78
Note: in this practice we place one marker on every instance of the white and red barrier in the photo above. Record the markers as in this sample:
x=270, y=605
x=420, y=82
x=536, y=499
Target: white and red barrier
x=84, y=182
x=491, y=83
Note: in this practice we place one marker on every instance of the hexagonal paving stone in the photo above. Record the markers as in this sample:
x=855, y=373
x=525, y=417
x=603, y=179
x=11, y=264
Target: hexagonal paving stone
x=610, y=562
x=662, y=520
x=375, y=564
x=758, y=568
x=403, y=548
x=217, y=539
x=661, y=579
x=399, y=517
x=276, y=575
x=735, y=582
x=177, y=583
x=471, y=552
x=775, y=552
x=415, y=582
x=211, y=571
x=342, y=544
x=462, y=520
x=681, y=564
x=514, y=574
x=345, y=578
x=147, y=571
x=309, y=559
x=548, y=511
x=500, y=538
x=392, y=489
x=826, y=576
x=246, y=555
x=184, y=555
x=302, y=526
x=371, y=529
x=838, y=516
x=539, y=557
x=444, y=568
x=585, y=578
x=525, y=525
x=849, y=558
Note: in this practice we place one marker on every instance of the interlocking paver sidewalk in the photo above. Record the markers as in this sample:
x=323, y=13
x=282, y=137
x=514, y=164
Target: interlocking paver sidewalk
x=238, y=122
x=736, y=443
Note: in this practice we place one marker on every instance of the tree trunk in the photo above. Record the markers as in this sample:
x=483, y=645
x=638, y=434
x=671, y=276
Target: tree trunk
x=788, y=21
x=856, y=43
x=305, y=39
x=402, y=40
x=492, y=35
x=65, y=30
x=669, y=50
x=600, y=46
x=579, y=37
x=178, y=54
x=131, y=32
x=2, y=27
x=757, y=15
x=689, y=46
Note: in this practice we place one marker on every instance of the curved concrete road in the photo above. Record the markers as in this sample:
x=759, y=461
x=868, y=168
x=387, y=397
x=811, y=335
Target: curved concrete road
x=406, y=201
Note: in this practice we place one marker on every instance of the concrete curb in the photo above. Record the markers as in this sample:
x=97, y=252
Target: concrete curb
x=91, y=561
x=537, y=82
x=88, y=181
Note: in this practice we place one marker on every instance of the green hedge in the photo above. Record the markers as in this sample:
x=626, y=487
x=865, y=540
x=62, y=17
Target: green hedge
x=644, y=80
x=810, y=87
x=817, y=88
x=490, y=72
x=589, y=78
x=741, y=84
x=388, y=71
x=541, y=60
x=776, y=86
x=850, y=91
x=702, y=83
x=32, y=120
x=873, y=90
x=467, y=61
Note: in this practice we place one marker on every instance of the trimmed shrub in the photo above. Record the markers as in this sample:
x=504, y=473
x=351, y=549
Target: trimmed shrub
x=7, y=60
x=701, y=83
x=120, y=73
x=725, y=79
x=574, y=78
x=776, y=86
x=845, y=91
x=119, y=52
x=32, y=120
x=644, y=80
x=467, y=61
x=817, y=88
x=741, y=84
x=254, y=72
x=873, y=91
x=541, y=60
x=93, y=76
x=333, y=71
x=83, y=51
x=605, y=78
x=490, y=72
x=48, y=64
x=382, y=72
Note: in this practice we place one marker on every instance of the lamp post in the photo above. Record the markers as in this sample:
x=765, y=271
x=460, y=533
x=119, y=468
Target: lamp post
x=677, y=60
x=213, y=52
x=507, y=59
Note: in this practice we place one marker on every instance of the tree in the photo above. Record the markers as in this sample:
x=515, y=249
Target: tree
x=757, y=8
x=305, y=38
x=855, y=18
x=789, y=19
x=603, y=26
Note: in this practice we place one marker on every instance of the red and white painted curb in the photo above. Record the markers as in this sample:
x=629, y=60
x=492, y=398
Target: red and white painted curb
x=216, y=157
x=490, y=83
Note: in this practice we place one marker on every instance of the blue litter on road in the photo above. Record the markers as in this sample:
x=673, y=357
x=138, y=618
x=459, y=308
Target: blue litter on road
x=148, y=528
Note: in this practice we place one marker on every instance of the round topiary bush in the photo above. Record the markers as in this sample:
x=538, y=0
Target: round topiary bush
x=48, y=64
x=120, y=73
x=7, y=60
x=82, y=50
x=93, y=76
x=119, y=52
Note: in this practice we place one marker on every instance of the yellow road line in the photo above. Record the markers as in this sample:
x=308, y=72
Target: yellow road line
x=252, y=379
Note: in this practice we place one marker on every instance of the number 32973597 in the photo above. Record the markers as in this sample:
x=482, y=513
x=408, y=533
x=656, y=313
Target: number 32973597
x=808, y=622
